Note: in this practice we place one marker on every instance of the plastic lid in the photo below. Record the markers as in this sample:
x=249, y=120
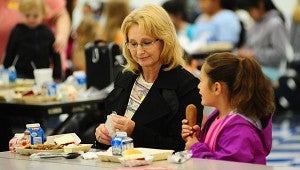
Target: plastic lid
x=33, y=125
x=121, y=134
x=19, y=135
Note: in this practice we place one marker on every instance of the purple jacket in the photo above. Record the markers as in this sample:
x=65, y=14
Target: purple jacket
x=239, y=140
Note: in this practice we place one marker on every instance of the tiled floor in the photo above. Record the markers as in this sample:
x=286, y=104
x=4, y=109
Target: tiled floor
x=286, y=140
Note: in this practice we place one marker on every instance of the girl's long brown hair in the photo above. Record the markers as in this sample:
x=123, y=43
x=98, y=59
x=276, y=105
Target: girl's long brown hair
x=251, y=92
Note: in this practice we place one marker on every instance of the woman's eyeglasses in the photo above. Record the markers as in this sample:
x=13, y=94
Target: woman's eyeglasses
x=145, y=45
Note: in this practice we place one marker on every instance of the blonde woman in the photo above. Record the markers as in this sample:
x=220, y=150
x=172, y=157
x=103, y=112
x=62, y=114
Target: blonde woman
x=152, y=92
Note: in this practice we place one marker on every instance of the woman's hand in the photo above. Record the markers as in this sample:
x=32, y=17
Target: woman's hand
x=102, y=135
x=123, y=123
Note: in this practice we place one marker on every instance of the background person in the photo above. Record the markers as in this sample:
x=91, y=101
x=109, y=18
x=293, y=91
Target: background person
x=267, y=39
x=217, y=28
x=57, y=19
x=152, y=92
x=31, y=44
x=177, y=12
x=240, y=129
x=114, y=13
x=87, y=31
x=295, y=31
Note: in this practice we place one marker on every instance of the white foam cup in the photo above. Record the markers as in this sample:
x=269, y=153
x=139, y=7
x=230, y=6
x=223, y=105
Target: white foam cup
x=43, y=75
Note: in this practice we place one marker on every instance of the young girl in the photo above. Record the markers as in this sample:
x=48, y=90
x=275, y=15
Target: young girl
x=240, y=129
x=31, y=43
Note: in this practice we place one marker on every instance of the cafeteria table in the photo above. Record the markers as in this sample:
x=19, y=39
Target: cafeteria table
x=48, y=108
x=14, y=161
x=39, y=112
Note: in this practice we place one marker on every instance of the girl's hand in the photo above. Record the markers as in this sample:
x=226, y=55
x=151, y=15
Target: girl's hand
x=186, y=130
x=101, y=134
x=191, y=140
x=189, y=134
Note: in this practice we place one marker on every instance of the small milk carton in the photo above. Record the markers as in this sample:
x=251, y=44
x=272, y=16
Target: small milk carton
x=120, y=143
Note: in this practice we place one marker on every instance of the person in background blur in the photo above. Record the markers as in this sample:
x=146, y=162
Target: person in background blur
x=295, y=32
x=177, y=11
x=151, y=94
x=31, y=43
x=87, y=31
x=217, y=28
x=288, y=89
x=267, y=39
x=93, y=9
x=113, y=15
x=57, y=19
x=85, y=28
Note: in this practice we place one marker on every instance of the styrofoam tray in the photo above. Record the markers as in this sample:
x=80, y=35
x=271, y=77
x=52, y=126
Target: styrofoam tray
x=158, y=154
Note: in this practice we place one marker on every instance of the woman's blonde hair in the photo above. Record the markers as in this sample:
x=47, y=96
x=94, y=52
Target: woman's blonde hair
x=28, y=5
x=155, y=22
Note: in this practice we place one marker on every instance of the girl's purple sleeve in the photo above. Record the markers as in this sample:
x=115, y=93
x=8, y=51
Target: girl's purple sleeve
x=237, y=142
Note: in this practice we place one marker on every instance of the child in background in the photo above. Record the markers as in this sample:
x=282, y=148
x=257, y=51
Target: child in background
x=87, y=31
x=295, y=31
x=267, y=39
x=240, y=129
x=30, y=44
x=113, y=15
x=217, y=28
x=177, y=12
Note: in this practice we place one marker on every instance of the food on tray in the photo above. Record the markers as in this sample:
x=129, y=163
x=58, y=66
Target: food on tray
x=67, y=143
x=70, y=143
x=158, y=154
x=24, y=91
x=135, y=157
x=136, y=162
x=133, y=154
x=65, y=139
x=76, y=148
x=131, y=151
x=45, y=146
x=18, y=140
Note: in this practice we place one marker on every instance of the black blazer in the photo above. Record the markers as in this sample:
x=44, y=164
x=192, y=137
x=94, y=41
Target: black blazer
x=158, y=118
